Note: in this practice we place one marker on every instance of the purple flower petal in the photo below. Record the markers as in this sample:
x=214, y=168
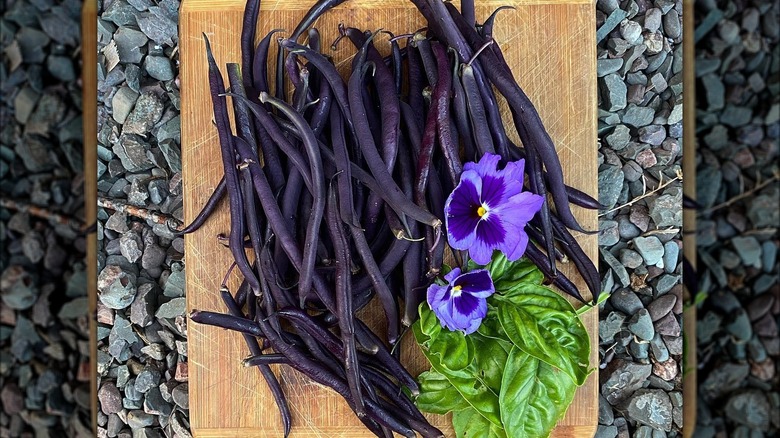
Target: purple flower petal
x=438, y=294
x=452, y=275
x=460, y=211
x=487, y=165
x=520, y=209
x=515, y=247
x=469, y=311
x=493, y=190
x=476, y=283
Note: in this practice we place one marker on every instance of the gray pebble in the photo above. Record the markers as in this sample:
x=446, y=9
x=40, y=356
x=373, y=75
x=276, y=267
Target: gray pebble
x=607, y=66
x=138, y=419
x=131, y=150
x=659, y=349
x=665, y=210
x=653, y=19
x=652, y=408
x=642, y=325
x=668, y=325
x=128, y=44
x=608, y=233
x=122, y=103
x=180, y=395
x=652, y=134
x=740, y=326
x=622, y=378
x=173, y=308
x=638, y=116
x=750, y=408
x=613, y=92
x=131, y=246
x=606, y=431
x=610, y=185
x=154, y=403
x=146, y=113
x=61, y=67
x=671, y=255
x=736, y=116
x=159, y=67
x=763, y=210
x=651, y=249
x=619, y=137
x=748, y=249
x=610, y=326
x=626, y=301
x=120, y=13
x=631, y=31
x=116, y=288
x=639, y=351
x=158, y=28
x=612, y=21
x=630, y=259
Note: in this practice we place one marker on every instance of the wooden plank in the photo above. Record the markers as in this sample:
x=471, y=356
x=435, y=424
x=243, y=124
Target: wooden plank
x=689, y=216
x=89, y=127
x=550, y=45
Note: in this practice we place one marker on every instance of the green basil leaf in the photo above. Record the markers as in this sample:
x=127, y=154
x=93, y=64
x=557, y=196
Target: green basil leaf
x=440, y=352
x=544, y=325
x=508, y=273
x=490, y=359
x=428, y=324
x=437, y=395
x=469, y=424
x=454, y=349
x=534, y=396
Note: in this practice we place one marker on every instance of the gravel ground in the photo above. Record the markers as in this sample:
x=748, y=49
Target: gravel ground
x=44, y=346
x=640, y=135
x=142, y=348
x=738, y=78
x=142, y=361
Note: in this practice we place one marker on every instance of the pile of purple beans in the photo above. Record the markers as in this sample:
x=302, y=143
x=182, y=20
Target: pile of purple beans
x=339, y=191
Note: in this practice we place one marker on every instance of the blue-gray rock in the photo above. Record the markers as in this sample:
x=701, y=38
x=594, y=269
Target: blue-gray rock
x=608, y=233
x=626, y=229
x=131, y=246
x=622, y=378
x=610, y=185
x=19, y=291
x=714, y=91
x=642, y=325
x=751, y=408
x=172, y=308
x=131, y=150
x=631, y=31
x=748, y=249
x=671, y=22
x=159, y=67
x=630, y=258
x=154, y=403
x=659, y=349
x=120, y=13
x=607, y=66
x=652, y=408
x=736, y=116
x=616, y=266
x=610, y=326
x=147, y=112
x=626, y=301
x=175, y=285
x=138, y=419
x=763, y=210
x=652, y=134
x=606, y=431
x=665, y=283
x=128, y=45
x=610, y=24
x=147, y=379
x=121, y=104
x=619, y=137
x=172, y=154
x=666, y=210
x=606, y=416
x=180, y=396
x=651, y=249
x=740, y=326
x=73, y=309
x=613, y=92
x=638, y=116
x=639, y=351
x=671, y=255
x=116, y=288
x=158, y=28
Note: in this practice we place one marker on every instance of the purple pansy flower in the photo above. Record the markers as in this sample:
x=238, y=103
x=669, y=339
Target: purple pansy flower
x=461, y=303
x=488, y=210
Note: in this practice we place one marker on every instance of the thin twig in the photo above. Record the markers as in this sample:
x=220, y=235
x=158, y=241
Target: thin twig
x=678, y=177
x=32, y=210
x=741, y=195
x=138, y=212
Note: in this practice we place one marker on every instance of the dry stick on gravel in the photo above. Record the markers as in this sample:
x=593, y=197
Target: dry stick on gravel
x=138, y=212
x=742, y=195
x=645, y=195
x=32, y=210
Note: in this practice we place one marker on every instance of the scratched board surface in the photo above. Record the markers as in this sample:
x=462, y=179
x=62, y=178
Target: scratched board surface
x=549, y=45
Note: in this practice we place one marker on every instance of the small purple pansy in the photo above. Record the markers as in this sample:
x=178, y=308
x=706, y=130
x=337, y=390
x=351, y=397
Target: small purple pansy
x=461, y=304
x=488, y=210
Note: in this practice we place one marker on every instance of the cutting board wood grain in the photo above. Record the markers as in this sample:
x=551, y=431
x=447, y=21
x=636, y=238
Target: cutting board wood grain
x=550, y=46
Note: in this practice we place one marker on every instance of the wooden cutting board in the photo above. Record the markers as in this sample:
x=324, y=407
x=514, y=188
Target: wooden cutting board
x=550, y=46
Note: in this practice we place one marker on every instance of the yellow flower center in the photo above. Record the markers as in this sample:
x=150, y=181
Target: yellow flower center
x=481, y=211
x=457, y=287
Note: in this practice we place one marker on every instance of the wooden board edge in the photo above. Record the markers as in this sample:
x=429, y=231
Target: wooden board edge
x=89, y=127
x=690, y=386
x=208, y=5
